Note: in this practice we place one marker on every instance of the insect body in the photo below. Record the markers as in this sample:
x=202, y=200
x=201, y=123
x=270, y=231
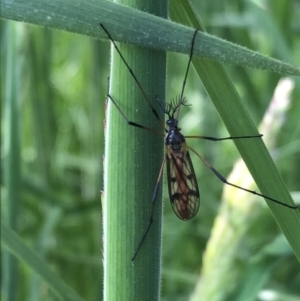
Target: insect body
x=182, y=183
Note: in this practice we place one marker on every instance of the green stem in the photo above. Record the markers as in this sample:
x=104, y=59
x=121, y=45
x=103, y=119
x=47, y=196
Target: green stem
x=132, y=161
x=12, y=157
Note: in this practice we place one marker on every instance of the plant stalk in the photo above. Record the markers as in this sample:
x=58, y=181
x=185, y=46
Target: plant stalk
x=132, y=161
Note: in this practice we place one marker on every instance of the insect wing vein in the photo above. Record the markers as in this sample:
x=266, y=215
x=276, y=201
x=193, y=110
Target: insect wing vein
x=182, y=185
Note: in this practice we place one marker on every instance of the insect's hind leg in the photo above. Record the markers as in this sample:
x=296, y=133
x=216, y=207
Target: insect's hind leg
x=223, y=179
x=154, y=198
x=132, y=123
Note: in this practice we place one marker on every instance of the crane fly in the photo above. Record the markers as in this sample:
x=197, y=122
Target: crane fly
x=183, y=188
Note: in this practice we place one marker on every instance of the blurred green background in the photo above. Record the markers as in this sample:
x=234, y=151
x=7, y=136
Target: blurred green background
x=60, y=83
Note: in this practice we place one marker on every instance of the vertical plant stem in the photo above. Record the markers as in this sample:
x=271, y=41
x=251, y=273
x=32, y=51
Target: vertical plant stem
x=132, y=161
x=11, y=158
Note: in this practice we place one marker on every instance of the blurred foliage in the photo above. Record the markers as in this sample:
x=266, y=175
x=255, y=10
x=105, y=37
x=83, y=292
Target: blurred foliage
x=62, y=88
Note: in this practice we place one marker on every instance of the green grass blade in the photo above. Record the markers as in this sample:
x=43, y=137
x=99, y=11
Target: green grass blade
x=11, y=156
x=143, y=29
x=240, y=218
x=13, y=242
x=239, y=123
x=132, y=162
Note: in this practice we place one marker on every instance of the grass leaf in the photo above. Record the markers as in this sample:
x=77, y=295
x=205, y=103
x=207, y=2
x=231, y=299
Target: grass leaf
x=21, y=251
x=239, y=123
x=136, y=27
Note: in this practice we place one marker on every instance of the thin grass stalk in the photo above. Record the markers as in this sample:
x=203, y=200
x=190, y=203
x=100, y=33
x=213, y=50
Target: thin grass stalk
x=11, y=156
x=132, y=161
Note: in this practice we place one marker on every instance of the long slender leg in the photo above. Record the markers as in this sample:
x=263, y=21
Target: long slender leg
x=189, y=63
x=221, y=178
x=154, y=198
x=134, y=77
x=134, y=123
x=226, y=138
x=187, y=69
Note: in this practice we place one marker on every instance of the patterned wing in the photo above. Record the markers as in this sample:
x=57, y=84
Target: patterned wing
x=182, y=184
